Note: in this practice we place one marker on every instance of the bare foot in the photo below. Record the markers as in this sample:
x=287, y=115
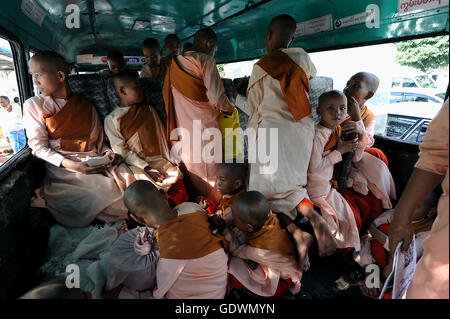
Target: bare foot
x=303, y=242
x=325, y=240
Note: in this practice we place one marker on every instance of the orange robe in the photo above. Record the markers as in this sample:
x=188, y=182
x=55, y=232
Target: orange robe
x=72, y=129
x=193, y=263
x=431, y=279
x=273, y=250
x=138, y=135
x=277, y=96
x=193, y=94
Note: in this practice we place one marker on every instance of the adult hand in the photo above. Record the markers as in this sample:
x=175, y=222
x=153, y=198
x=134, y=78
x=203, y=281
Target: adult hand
x=400, y=229
x=354, y=127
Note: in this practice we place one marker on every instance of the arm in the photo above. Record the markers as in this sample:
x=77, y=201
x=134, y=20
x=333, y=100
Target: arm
x=318, y=161
x=37, y=134
x=119, y=146
x=428, y=173
x=214, y=86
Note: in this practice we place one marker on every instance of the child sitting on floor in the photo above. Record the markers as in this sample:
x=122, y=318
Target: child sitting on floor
x=326, y=152
x=265, y=264
x=192, y=263
x=133, y=260
x=137, y=134
x=230, y=179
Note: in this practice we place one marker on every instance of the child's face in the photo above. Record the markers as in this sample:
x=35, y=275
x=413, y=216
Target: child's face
x=132, y=93
x=47, y=80
x=172, y=47
x=116, y=67
x=242, y=226
x=152, y=56
x=225, y=182
x=332, y=111
x=358, y=88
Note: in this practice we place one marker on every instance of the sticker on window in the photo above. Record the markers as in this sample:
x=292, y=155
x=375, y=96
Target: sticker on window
x=33, y=11
x=412, y=6
x=313, y=26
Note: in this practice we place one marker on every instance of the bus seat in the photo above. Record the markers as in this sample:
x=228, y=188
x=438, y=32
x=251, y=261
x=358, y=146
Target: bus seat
x=92, y=88
x=318, y=85
x=152, y=91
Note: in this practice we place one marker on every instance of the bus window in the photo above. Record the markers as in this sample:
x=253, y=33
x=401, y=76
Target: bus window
x=12, y=134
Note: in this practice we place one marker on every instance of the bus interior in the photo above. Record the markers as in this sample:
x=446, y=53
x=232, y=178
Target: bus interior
x=84, y=31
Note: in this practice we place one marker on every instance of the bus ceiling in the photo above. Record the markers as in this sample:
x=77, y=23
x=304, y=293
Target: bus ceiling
x=76, y=27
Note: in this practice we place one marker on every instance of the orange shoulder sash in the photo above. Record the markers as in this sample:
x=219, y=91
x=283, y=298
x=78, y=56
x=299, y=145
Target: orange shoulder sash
x=72, y=124
x=140, y=119
x=333, y=140
x=188, y=85
x=271, y=237
x=187, y=237
x=293, y=81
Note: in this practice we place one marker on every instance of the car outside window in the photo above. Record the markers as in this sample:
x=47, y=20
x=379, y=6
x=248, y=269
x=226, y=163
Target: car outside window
x=397, y=125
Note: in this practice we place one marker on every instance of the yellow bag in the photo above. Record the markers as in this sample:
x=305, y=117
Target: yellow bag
x=228, y=125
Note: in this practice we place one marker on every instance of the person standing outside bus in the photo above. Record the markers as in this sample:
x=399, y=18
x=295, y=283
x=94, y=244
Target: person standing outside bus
x=12, y=124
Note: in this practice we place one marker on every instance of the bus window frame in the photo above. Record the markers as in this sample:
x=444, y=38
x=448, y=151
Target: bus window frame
x=25, y=91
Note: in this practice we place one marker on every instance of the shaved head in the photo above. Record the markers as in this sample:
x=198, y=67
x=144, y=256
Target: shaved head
x=205, y=34
x=52, y=60
x=371, y=80
x=282, y=29
x=144, y=200
x=124, y=79
x=151, y=43
x=251, y=208
x=333, y=94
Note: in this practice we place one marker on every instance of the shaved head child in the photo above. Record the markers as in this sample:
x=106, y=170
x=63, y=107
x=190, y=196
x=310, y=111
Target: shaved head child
x=172, y=45
x=137, y=134
x=265, y=264
x=192, y=262
x=155, y=66
x=194, y=93
x=327, y=150
x=277, y=93
x=64, y=130
x=116, y=64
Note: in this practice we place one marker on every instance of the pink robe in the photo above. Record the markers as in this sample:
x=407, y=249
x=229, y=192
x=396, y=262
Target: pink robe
x=368, y=173
x=200, y=278
x=203, y=67
x=335, y=210
x=283, y=180
x=73, y=198
x=432, y=272
x=272, y=267
x=133, y=154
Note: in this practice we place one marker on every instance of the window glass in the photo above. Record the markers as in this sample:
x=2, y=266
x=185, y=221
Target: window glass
x=408, y=83
x=426, y=82
x=423, y=130
x=397, y=125
x=12, y=134
x=395, y=98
